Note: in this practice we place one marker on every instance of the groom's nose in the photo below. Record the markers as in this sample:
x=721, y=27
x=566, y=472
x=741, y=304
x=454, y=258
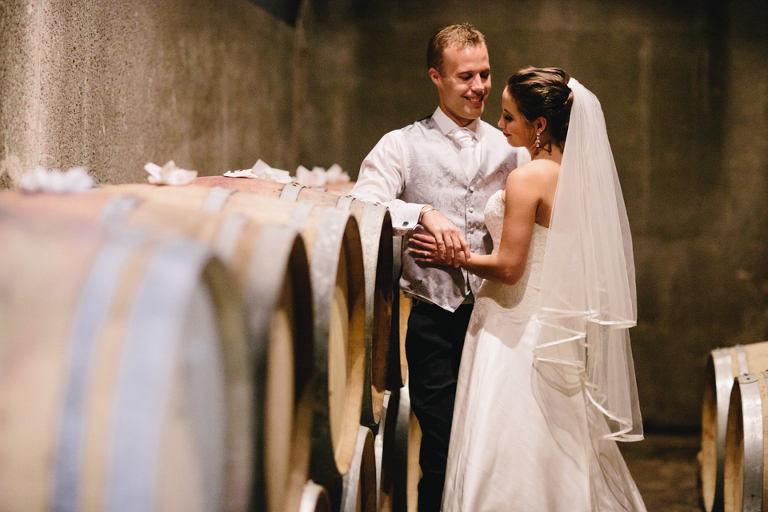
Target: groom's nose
x=478, y=84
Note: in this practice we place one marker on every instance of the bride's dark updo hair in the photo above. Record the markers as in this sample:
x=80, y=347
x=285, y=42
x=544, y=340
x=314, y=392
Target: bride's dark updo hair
x=544, y=92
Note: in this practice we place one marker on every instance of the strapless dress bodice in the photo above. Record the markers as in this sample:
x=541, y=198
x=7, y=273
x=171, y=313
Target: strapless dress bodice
x=522, y=296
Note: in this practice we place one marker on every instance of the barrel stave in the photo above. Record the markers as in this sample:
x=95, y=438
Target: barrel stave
x=91, y=288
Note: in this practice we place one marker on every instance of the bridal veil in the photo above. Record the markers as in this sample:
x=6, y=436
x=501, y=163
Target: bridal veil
x=588, y=297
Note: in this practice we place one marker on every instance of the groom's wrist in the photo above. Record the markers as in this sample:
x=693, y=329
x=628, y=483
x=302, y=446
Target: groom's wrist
x=426, y=208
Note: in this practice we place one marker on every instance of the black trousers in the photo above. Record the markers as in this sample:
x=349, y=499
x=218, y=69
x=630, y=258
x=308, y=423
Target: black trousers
x=433, y=345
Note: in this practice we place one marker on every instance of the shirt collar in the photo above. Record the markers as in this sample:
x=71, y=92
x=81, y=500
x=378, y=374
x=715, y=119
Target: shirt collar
x=447, y=125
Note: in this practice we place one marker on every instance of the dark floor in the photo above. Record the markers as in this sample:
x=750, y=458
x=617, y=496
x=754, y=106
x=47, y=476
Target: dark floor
x=665, y=470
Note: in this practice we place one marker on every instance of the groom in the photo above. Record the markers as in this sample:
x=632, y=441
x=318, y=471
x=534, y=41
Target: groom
x=437, y=174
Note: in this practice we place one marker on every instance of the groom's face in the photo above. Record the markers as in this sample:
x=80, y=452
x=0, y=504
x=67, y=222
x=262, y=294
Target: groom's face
x=464, y=83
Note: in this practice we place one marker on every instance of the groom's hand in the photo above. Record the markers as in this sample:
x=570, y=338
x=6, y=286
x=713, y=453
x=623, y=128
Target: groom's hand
x=448, y=238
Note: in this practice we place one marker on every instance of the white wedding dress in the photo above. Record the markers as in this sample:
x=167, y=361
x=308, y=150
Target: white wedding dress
x=520, y=440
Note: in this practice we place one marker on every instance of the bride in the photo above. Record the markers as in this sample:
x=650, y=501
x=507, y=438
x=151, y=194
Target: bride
x=547, y=385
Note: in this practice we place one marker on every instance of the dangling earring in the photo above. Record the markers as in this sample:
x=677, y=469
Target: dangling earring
x=538, y=141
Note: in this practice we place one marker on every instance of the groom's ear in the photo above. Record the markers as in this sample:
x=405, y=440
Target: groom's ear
x=435, y=76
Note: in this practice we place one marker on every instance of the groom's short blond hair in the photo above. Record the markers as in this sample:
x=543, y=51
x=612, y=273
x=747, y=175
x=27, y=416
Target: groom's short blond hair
x=461, y=35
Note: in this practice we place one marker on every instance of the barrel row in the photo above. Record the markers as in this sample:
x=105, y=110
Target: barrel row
x=384, y=473
x=125, y=372
x=378, y=247
x=734, y=429
x=282, y=407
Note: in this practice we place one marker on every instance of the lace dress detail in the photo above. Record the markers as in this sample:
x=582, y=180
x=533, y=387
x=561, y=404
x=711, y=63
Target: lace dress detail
x=522, y=297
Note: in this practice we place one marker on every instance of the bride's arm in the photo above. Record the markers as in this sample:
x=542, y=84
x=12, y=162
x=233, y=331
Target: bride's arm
x=524, y=192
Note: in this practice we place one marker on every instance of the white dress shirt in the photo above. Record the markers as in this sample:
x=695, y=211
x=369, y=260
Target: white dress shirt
x=384, y=172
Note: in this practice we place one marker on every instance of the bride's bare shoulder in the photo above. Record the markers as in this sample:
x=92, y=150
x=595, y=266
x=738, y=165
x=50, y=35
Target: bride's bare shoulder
x=535, y=172
x=535, y=179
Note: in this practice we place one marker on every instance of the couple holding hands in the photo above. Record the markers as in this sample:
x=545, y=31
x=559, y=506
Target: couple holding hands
x=519, y=263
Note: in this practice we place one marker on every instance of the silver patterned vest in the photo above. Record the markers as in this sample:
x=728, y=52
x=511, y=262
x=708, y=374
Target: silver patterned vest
x=437, y=178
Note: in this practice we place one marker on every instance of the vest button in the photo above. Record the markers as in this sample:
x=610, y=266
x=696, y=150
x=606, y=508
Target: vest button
x=471, y=210
x=471, y=188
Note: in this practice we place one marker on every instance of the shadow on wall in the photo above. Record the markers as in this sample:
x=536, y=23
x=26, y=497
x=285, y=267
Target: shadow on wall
x=286, y=10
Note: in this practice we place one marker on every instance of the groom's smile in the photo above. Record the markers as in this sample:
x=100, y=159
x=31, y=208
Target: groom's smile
x=476, y=100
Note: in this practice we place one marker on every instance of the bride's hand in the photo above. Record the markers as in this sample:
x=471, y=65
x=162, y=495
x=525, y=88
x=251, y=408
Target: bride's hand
x=449, y=240
x=423, y=247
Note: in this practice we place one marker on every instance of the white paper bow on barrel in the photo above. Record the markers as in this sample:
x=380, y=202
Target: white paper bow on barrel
x=263, y=171
x=319, y=177
x=38, y=179
x=169, y=174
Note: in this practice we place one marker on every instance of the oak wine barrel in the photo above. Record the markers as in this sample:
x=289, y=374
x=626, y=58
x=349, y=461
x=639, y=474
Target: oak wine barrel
x=376, y=238
x=334, y=250
x=126, y=381
x=745, y=478
x=722, y=366
x=314, y=499
x=341, y=188
x=271, y=272
x=401, y=308
x=399, y=442
x=383, y=443
x=359, y=484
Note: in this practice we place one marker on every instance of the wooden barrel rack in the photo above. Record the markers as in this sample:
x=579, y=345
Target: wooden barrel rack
x=287, y=391
x=376, y=239
x=123, y=344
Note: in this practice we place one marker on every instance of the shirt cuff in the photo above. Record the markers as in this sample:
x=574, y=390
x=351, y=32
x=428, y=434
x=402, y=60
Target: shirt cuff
x=406, y=218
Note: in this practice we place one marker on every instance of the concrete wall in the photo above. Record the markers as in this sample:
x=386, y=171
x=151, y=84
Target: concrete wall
x=215, y=85
x=113, y=84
